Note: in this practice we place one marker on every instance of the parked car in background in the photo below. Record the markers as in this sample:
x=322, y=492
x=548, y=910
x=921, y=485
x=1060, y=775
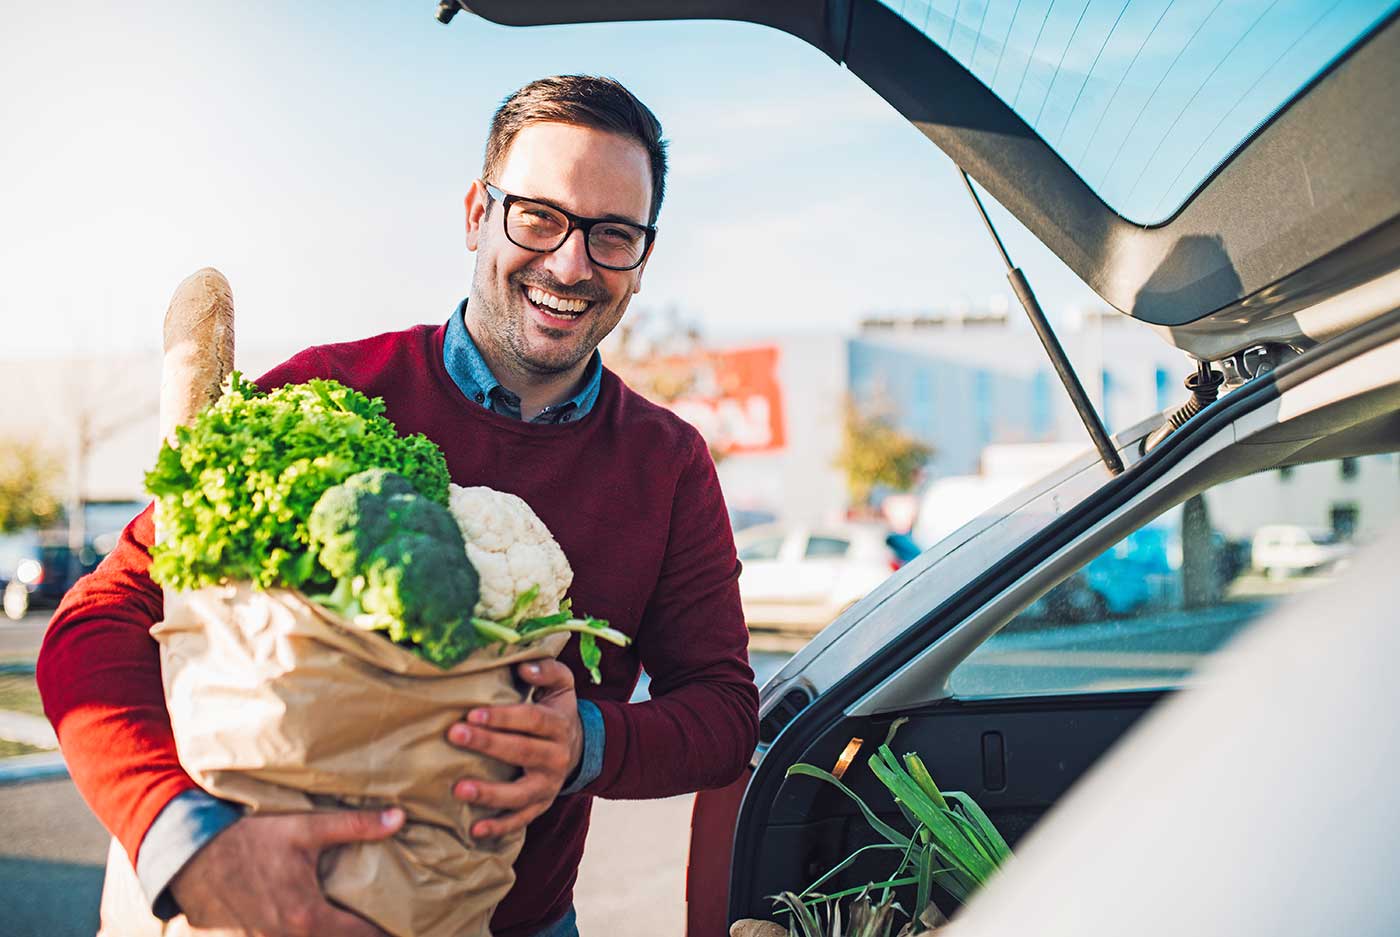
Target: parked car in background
x=1283, y=550
x=38, y=567
x=799, y=578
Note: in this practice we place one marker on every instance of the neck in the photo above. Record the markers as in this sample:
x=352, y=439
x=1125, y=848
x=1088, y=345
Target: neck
x=535, y=390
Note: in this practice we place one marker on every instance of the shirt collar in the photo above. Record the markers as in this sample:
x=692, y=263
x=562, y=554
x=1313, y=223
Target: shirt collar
x=473, y=377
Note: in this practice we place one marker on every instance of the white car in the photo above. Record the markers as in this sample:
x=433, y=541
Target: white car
x=1282, y=550
x=797, y=579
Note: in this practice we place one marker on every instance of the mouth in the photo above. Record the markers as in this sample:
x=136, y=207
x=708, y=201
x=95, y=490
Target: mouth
x=552, y=306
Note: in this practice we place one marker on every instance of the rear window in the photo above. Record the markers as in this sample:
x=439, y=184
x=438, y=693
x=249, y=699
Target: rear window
x=762, y=549
x=819, y=547
x=1145, y=98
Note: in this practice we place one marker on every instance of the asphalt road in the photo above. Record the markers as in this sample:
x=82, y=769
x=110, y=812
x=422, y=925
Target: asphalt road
x=20, y=640
x=52, y=853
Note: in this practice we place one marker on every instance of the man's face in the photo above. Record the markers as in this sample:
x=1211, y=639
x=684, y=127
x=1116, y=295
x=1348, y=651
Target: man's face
x=591, y=173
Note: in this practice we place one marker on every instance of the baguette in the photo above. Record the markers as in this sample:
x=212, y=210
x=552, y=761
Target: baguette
x=198, y=348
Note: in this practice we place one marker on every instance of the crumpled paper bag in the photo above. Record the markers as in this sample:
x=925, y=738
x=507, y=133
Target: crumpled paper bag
x=279, y=704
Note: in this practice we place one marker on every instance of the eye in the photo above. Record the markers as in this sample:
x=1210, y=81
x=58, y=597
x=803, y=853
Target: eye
x=616, y=235
x=537, y=216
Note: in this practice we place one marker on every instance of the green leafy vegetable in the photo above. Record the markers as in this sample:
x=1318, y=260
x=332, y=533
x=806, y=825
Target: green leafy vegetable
x=236, y=489
x=515, y=628
x=953, y=845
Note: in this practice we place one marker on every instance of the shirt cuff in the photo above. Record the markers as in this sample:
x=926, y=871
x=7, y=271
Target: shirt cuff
x=181, y=829
x=590, y=763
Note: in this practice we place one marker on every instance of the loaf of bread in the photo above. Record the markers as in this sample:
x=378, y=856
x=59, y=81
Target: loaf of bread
x=198, y=348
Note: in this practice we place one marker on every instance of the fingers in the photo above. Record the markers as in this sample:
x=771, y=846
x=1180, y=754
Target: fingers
x=350, y=826
x=515, y=795
x=547, y=754
x=507, y=823
x=526, y=718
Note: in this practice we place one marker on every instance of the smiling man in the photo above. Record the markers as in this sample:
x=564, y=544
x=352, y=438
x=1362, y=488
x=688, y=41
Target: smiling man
x=513, y=389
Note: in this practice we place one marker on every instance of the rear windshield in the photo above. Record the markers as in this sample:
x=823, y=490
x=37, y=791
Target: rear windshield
x=1145, y=98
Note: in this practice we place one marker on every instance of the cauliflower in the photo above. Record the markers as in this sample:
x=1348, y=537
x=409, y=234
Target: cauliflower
x=512, y=551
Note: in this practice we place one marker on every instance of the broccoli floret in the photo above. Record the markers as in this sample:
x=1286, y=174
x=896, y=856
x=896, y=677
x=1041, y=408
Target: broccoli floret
x=399, y=562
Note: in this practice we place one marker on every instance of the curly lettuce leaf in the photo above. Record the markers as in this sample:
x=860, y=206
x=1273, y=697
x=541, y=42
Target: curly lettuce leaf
x=237, y=487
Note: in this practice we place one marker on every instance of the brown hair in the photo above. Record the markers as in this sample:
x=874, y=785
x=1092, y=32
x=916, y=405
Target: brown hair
x=586, y=100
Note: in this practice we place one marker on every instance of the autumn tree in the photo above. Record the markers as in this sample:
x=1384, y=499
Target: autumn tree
x=30, y=486
x=876, y=453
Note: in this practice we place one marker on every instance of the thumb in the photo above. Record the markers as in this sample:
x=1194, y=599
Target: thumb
x=548, y=675
x=352, y=826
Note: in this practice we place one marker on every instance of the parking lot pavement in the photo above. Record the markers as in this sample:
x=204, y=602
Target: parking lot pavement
x=20, y=640
x=632, y=881
x=52, y=853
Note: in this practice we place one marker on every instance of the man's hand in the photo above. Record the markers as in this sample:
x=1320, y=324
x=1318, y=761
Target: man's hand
x=258, y=876
x=545, y=738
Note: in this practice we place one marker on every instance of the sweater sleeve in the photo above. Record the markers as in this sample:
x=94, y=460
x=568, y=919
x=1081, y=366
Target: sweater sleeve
x=98, y=674
x=700, y=727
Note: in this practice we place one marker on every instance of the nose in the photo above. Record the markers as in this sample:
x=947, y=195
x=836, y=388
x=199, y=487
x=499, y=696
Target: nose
x=570, y=263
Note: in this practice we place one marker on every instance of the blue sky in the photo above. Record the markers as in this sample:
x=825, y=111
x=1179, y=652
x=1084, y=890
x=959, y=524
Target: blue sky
x=317, y=153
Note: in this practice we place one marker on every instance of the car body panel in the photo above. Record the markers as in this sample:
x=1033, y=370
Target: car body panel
x=1201, y=778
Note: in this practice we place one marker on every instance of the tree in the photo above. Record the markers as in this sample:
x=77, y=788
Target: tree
x=875, y=453
x=30, y=486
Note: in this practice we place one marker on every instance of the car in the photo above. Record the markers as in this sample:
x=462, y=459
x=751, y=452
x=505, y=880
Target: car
x=796, y=579
x=1281, y=550
x=1244, y=203
x=38, y=567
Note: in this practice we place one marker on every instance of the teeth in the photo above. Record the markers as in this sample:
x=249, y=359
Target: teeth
x=569, y=307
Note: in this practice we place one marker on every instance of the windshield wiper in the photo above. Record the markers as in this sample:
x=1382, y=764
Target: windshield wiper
x=1058, y=359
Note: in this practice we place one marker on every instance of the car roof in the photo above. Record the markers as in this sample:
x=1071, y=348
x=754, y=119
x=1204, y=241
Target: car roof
x=1305, y=207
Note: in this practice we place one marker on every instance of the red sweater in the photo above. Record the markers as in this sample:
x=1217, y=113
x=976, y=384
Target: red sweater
x=630, y=493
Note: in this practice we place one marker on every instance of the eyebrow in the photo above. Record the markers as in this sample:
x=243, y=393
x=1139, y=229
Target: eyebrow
x=609, y=217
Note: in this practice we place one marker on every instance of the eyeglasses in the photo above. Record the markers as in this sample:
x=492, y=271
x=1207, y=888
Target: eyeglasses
x=542, y=227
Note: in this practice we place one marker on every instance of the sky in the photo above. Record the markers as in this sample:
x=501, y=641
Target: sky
x=318, y=153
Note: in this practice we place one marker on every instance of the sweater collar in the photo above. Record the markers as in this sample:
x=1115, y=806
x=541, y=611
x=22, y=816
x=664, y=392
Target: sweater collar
x=473, y=377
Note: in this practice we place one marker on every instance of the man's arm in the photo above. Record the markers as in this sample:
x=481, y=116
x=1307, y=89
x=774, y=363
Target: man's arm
x=99, y=677
x=698, y=730
x=700, y=727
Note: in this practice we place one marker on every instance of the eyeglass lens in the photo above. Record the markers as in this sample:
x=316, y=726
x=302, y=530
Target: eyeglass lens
x=539, y=227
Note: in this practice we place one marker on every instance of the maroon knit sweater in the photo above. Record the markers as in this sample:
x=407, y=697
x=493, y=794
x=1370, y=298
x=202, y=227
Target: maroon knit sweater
x=631, y=495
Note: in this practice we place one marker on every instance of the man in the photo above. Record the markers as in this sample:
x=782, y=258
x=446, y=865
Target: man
x=514, y=391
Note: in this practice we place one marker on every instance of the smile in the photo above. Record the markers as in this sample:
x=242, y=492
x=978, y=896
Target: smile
x=557, y=306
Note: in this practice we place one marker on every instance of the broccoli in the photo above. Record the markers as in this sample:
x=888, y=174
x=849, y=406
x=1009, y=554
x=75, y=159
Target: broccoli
x=399, y=562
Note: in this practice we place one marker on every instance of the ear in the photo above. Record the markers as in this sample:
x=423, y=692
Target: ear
x=476, y=204
x=637, y=283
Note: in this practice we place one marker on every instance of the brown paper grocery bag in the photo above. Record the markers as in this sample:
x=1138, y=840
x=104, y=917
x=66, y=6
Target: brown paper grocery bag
x=279, y=704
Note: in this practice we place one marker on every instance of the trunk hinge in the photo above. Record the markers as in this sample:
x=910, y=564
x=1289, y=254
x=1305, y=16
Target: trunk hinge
x=1058, y=359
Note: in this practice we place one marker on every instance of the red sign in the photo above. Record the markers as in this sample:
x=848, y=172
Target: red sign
x=737, y=402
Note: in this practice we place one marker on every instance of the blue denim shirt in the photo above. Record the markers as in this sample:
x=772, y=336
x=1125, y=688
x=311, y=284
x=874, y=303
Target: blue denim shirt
x=193, y=818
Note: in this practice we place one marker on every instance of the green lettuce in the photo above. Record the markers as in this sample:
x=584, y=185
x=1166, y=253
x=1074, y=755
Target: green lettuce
x=237, y=487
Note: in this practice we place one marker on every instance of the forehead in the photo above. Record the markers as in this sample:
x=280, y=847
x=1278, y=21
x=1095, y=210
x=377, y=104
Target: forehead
x=590, y=172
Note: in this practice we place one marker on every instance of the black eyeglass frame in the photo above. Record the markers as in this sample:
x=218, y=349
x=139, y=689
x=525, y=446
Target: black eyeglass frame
x=576, y=222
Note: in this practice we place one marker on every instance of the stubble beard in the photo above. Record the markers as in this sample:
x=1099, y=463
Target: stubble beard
x=503, y=319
